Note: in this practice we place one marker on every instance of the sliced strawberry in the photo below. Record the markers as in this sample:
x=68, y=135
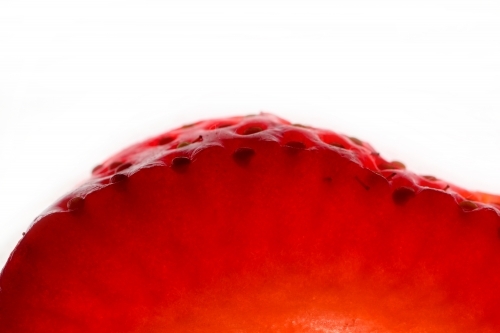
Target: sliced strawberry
x=251, y=224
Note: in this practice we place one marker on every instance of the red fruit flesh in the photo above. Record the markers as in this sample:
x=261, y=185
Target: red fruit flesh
x=255, y=225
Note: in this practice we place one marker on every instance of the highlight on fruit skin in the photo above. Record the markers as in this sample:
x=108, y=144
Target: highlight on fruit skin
x=255, y=224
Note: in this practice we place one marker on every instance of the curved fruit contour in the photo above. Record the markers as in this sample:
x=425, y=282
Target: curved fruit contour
x=253, y=224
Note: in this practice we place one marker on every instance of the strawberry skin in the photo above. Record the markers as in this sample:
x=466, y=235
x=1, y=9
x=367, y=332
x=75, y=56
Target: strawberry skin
x=252, y=224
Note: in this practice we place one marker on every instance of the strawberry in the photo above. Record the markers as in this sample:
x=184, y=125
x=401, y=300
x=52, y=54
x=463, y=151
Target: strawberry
x=253, y=224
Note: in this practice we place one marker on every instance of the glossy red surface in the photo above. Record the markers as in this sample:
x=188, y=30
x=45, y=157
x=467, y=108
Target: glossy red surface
x=276, y=230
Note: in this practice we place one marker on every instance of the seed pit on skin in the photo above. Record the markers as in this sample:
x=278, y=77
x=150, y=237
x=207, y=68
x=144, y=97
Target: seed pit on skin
x=392, y=165
x=183, y=144
x=401, y=195
x=243, y=155
x=399, y=165
x=252, y=130
x=385, y=166
x=75, y=204
x=118, y=178
x=431, y=178
x=338, y=145
x=356, y=141
x=123, y=167
x=180, y=163
x=467, y=205
x=295, y=145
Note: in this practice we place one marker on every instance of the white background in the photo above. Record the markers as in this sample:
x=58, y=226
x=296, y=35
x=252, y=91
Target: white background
x=79, y=80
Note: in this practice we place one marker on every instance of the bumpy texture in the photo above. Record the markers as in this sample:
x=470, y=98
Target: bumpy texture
x=252, y=224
